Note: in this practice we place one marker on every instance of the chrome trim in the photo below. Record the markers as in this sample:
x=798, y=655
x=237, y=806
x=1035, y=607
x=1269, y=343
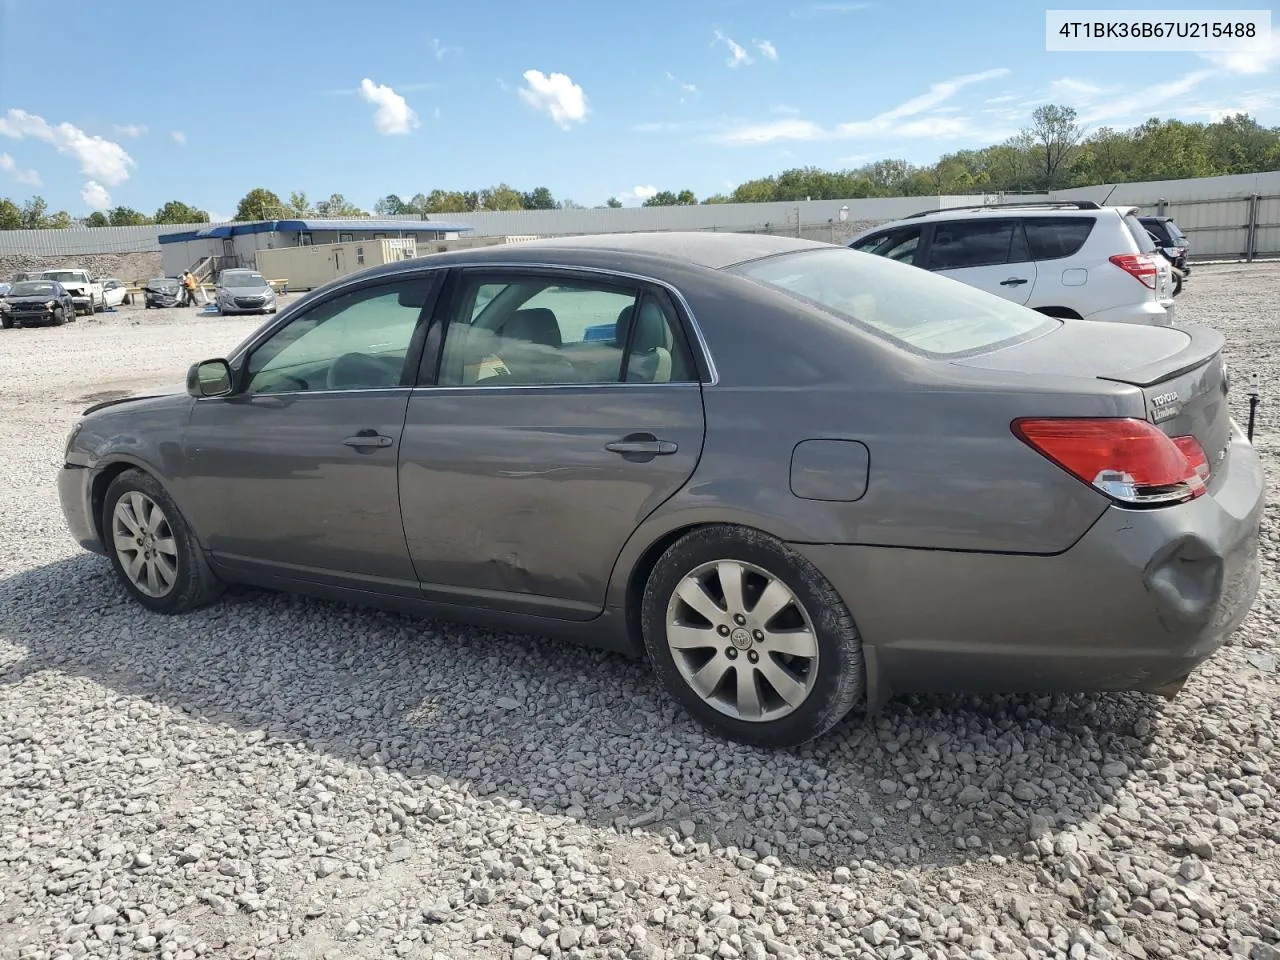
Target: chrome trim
x=428, y=388
x=391, y=391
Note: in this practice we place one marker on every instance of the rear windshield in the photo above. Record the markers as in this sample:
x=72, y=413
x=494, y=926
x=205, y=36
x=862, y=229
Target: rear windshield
x=1174, y=232
x=1140, y=235
x=917, y=310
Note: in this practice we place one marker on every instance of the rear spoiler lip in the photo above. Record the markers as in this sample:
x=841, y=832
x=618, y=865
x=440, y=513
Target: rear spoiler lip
x=1205, y=344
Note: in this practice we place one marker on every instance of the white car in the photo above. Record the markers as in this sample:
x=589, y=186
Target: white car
x=114, y=293
x=1065, y=259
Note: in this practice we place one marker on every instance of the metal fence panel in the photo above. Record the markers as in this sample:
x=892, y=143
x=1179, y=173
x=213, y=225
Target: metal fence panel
x=83, y=240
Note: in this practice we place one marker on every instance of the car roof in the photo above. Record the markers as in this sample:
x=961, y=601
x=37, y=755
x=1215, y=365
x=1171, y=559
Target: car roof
x=997, y=210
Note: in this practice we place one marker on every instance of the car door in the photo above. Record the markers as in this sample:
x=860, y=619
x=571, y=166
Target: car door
x=295, y=473
x=989, y=253
x=565, y=407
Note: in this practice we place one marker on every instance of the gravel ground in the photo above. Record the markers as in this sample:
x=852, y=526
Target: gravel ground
x=276, y=777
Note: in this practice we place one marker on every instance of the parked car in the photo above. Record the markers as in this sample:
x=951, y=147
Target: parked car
x=85, y=292
x=31, y=302
x=244, y=291
x=115, y=293
x=1075, y=259
x=163, y=292
x=1173, y=243
x=799, y=477
x=4, y=288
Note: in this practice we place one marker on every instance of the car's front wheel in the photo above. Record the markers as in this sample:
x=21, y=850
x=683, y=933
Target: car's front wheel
x=151, y=547
x=59, y=317
x=750, y=637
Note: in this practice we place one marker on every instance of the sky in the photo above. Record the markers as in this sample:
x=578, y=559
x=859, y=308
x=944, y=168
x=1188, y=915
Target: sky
x=156, y=101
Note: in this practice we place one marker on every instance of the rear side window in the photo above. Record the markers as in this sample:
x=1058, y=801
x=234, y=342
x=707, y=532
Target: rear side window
x=1140, y=235
x=913, y=309
x=1051, y=238
x=971, y=243
x=900, y=244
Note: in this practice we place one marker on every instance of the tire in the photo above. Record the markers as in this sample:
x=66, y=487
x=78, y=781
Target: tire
x=59, y=316
x=193, y=584
x=6, y=323
x=128, y=300
x=1177, y=284
x=96, y=306
x=823, y=689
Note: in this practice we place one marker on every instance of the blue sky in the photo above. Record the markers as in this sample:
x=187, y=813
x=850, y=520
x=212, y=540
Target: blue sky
x=589, y=98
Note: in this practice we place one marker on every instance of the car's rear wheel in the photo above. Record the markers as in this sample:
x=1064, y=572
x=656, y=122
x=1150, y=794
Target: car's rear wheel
x=750, y=637
x=151, y=547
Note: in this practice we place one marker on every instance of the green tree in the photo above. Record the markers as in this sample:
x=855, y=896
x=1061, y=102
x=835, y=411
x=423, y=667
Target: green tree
x=299, y=205
x=61, y=221
x=1056, y=135
x=126, y=217
x=338, y=206
x=10, y=215
x=613, y=203
x=260, y=204
x=539, y=198
x=716, y=198
x=443, y=201
x=175, y=211
x=501, y=197
x=392, y=206
x=35, y=214
x=755, y=191
x=96, y=219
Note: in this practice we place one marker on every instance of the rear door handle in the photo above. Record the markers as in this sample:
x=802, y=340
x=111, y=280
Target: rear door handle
x=1013, y=282
x=642, y=446
x=368, y=440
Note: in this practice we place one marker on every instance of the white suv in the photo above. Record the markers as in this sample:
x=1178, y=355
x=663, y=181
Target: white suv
x=1065, y=259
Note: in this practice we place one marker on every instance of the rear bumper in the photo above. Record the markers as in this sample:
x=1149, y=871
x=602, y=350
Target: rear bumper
x=1159, y=313
x=1140, y=600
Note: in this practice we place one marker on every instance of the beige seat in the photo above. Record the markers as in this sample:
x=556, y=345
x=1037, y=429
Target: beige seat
x=650, y=357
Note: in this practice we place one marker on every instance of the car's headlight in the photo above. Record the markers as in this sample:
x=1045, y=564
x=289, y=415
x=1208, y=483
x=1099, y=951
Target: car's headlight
x=50, y=304
x=4, y=306
x=71, y=437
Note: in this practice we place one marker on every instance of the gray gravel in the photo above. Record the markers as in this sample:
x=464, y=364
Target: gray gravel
x=277, y=777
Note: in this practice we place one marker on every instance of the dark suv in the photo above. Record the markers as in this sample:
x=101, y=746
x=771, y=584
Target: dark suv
x=1172, y=242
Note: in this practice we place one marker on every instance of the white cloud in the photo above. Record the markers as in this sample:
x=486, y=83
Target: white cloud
x=737, y=55
x=179, y=138
x=555, y=95
x=687, y=90
x=30, y=177
x=129, y=129
x=95, y=196
x=637, y=195
x=1253, y=62
x=1077, y=91
x=98, y=158
x=394, y=115
x=1144, y=102
x=916, y=117
x=441, y=50
x=768, y=49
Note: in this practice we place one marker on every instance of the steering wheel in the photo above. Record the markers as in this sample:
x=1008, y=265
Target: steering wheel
x=357, y=370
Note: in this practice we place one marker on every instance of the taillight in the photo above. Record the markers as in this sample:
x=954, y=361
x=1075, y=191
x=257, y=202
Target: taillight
x=1139, y=266
x=1127, y=459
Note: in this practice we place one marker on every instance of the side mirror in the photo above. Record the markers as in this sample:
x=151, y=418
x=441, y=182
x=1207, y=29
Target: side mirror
x=209, y=378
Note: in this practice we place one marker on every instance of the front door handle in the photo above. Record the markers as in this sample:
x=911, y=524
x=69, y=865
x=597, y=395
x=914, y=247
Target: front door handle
x=642, y=446
x=1013, y=282
x=368, y=441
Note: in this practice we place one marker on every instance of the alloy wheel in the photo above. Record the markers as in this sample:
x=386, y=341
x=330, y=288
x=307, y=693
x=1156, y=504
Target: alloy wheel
x=144, y=544
x=742, y=640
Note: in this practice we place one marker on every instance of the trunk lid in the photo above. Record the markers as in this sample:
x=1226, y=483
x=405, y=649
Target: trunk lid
x=1179, y=371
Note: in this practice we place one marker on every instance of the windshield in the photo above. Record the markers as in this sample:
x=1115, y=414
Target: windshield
x=32, y=288
x=915, y=309
x=62, y=276
x=243, y=280
x=162, y=283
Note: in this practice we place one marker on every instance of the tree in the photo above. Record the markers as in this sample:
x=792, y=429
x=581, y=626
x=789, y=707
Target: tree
x=567, y=204
x=10, y=215
x=665, y=198
x=35, y=214
x=716, y=198
x=1056, y=135
x=175, y=211
x=501, y=197
x=539, y=198
x=299, y=205
x=95, y=219
x=613, y=203
x=392, y=206
x=442, y=201
x=126, y=217
x=338, y=206
x=61, y=221
x=260, y=204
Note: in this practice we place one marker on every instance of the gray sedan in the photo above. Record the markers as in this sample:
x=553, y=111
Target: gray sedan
x=798, y=478
x=244, y=291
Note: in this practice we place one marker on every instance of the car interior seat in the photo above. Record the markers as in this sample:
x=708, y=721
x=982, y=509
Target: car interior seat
x=650, y=357
x=535, y=325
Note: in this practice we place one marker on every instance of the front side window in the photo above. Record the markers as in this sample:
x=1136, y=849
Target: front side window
x=358, y=340
x=900, y=244
x=916, y=310
x=508, y=331
x=972, y=243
